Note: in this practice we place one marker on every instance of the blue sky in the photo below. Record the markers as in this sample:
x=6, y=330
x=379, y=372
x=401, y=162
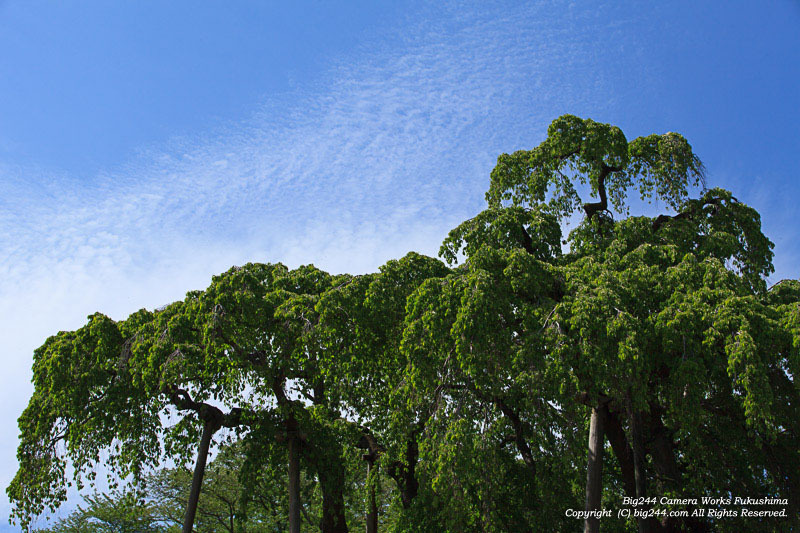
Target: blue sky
x=145, y=146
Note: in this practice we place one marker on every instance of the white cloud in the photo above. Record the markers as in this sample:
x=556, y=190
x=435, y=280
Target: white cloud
x=383, y=155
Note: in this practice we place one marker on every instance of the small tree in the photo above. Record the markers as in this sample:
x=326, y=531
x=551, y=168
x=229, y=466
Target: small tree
x=116, y=512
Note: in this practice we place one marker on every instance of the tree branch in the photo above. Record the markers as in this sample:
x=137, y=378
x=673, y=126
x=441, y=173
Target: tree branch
x=592, y=208
x=689, y=213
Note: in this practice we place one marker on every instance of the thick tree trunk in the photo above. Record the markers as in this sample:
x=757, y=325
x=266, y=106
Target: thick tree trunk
x=404, y=474
x=372, y=504
x=646, y=525
x=594, y=468
x=213, y=419
x=411, y=485
x=622, y=451
x=294, y=484
x=331, y=480
x=367, y=442
x=663, y=456
x=209, y=428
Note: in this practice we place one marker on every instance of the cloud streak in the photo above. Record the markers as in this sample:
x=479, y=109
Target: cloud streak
x=382, y=155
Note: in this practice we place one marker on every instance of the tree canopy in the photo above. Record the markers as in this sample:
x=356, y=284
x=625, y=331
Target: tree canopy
x=528, y=373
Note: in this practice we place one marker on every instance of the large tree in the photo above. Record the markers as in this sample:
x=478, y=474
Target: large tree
x=636, y=356
x=661, y=325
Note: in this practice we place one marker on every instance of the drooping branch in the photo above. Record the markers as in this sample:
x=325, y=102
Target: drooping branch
x=592, y=208
x=404, y=473
x=690, y=213
x=519, y=435
x=517, y=425
x=527, y=242
x=181, y=399
x=294, y=484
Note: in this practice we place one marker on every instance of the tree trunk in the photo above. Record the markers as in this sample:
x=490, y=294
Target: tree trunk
x=372, y=504
x=331, y=480
x=594, y=469
x=404, y=474
x=209, y=428
x=294, y=484
x=646, y=525
x=668, y=473
x=622, y=451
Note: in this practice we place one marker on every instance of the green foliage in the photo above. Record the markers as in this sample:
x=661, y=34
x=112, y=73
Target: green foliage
x=581, y=151
x=469, y=385
x=116, y=512
x=85, y=395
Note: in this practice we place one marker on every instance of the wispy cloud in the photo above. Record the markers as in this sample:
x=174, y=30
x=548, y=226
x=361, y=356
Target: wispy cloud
x=382, y=155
